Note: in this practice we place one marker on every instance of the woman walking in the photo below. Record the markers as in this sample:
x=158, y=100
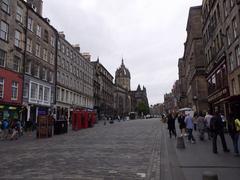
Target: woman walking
x=171, y=125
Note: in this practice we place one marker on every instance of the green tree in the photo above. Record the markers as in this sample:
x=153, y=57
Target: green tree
x=142, y=108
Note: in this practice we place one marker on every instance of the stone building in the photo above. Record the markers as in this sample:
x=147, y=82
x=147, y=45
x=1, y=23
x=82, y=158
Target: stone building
x=103, y=90
x=221, y=40
x=194, y=63
x=39, y=64
x=122, y=97
x=74, y=79
x=12, y=48
x=182, y=99
x=137, y=97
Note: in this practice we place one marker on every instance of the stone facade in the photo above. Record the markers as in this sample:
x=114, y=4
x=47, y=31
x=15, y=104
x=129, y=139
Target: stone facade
x=192, y=65
x=221, y=40
x=12, y=48
x=103, y=90
x=74, y=79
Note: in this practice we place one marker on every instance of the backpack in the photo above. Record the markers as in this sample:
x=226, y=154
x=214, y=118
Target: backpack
x=5, y=124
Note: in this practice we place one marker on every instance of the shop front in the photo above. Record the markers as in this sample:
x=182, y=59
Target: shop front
x=10, y=112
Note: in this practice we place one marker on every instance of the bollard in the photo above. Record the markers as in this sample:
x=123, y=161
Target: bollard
x=180, y=143
x=210, y=176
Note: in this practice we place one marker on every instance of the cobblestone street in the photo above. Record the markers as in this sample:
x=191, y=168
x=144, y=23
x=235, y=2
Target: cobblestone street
x=123, y=150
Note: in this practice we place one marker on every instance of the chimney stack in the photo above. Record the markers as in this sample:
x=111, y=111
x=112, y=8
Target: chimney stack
x=37, y=5
x=61, y=34
x=77, y=47
x=87, y=56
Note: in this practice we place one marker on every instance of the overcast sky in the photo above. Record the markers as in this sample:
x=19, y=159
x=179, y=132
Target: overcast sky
x=148, y=34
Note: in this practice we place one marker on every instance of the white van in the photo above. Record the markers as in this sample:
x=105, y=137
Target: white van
x=187, y=111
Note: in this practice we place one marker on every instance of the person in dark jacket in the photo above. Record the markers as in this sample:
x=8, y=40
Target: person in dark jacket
x=217, y=128
x=182, y=125
x=171, y=125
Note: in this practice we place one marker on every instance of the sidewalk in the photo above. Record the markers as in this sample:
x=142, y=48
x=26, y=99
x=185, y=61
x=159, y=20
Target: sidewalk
x=198, y=158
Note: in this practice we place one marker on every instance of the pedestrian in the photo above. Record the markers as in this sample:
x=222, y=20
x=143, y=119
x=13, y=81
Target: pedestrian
x=5, y=126
x=201, y=125
x=194, y=119
x=234, y=131
x=182, y=125
x=171, y=125
x=217, y=128
x=208, y=118
x=189, y=125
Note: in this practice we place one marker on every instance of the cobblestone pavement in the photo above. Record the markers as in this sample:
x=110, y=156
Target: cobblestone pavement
x=126, y=150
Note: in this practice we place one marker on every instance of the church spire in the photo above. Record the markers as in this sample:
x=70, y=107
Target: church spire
x=122, y=62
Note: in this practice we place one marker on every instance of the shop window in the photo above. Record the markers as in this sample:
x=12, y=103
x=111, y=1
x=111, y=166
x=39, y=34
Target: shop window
x=4, y=31
x=2, y=58
x=1, y=88
x=5, y=6
x=14, y=90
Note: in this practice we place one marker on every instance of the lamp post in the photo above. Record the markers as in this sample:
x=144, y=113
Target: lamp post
x=195, y=103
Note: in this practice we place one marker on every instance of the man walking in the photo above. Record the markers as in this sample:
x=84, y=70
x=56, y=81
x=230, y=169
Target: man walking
x=171, y=125
x=217, y=128
x=190, y=126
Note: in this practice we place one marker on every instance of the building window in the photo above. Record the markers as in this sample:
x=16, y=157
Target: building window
x=36, y=70
x=14, y=90
x=52, y=41
x=50, y=76
x=18, y=36
x=39, y=31
x=225, y=8
x=58, y=94
x=40, y=94
x=16, y=63
x=19, y=14
x=25, y=90
x=235, y=27
x=44, y=74
x=34, y=90
x=59, y=45
x=45, y=55
x=231, y=3
x=30, y=24
x=232, y=63
x=62, y=95
x=38, y=50
x=63, y=49
x=4, y=31
x=5, y=5
x=46, y=94
x=51, y=58
x=2, y=58
x=234, y=88
x=45, y=37
x=239, y=82
x=29, y=45
x=237, y=50
x=228, y=36
x=52, y=97
x=28, y=67
x=1, y=88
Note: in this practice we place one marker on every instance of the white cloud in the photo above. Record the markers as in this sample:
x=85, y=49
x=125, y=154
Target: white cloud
x=149, y=34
